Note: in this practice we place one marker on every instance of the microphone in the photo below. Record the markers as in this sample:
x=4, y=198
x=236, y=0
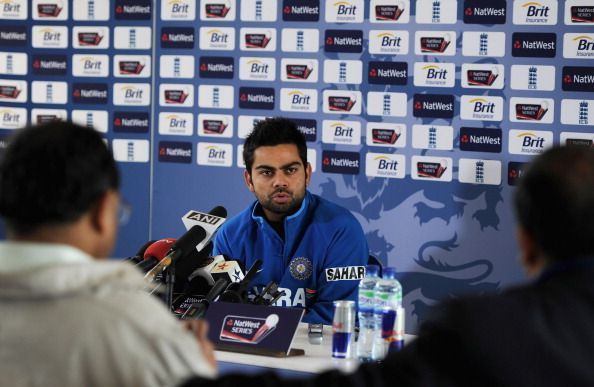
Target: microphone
x=210, y=222
x=203, y=271
x=199, y=308
x=180, y=248
x=269, y=295
x=235, y=292
x=155, y=253
x=138, y=257
x=228, y=270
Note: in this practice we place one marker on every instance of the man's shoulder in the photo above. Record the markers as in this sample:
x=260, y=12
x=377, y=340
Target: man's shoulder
x=240, y=221
x=330, y=212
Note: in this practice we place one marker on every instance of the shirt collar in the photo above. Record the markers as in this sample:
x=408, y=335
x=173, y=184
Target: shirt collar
x=16, y=256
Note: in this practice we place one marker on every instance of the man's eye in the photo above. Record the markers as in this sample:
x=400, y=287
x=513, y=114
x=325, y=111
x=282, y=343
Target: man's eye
x=291, y=170
x=266, y=173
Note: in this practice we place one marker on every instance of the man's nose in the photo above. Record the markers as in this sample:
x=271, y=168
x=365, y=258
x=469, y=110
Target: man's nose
x=280, y=180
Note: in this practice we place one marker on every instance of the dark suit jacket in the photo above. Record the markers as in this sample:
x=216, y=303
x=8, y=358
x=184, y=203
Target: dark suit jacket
x=539, y=335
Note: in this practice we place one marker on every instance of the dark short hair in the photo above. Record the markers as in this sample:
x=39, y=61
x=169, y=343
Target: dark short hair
x=53, y=174
x=555, y=202
x=271, y=132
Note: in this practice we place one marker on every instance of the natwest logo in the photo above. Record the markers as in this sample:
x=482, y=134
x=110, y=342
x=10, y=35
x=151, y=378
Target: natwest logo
x=89, y=93
x=541, y=45
x=13, y=36
x=388, y=73
x=177, y=37
x=515, y=170
x=480, y=140
x=301, y=10
x=175, y=152
x=343, y=41
x=50, y=64
x=131, y=122
x=216, y=67
x=340, y=162
x=578, y=78
x=133, y=9
x=256, y=98
x=433, y=105
x=481, y=12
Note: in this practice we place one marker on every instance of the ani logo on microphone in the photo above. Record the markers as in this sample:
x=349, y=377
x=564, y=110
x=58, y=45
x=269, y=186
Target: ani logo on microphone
x=300, y=268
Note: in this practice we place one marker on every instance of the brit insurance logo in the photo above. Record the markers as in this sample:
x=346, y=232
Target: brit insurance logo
x=13, y=36
x=480, y=139
x=178, y=10
x=481, y=12
x=13, y=91
x=439, y=43
x=341, y=132
x=578, y=78
x=435, y=74
x=177, y=37
x=436, y=11
x=12, y=118
x=382, y=134
x=389, y=11
x=132, y=9
x=481, y=108
x=131, y=94
x=14, y=9
x=431, y=168
x=49, y=64
x=387, y=73
x=90, y=37
x=176, y=124
x=257, y=69
x=534, y=110
x=440, y=137
x=216, y=96
x=131, y=151
x=214, y=155
x=542, y=12
x=175, y=152
x=533, y=77
x=301, y=10
x=49, y=92
x=388, y=42
x=90, y=93
x=577, y=111
x=300, y=40
x=175, y=94
x=256, y=98
x=49, y=37
x=299, y=70
x=482, y=76
x=132, y=66
x=579, y=12
x=343, y=41
x=532, y=44
x=345, y=11
x=215, y=125
x=217, y=38
x=220, y=67
x=90, y=65
x=386, y=104
x=299, y=100
x=131, y=122
x=578, y=46
x=137, y=38
x=385, y=165
x=433, y=105
x=217, y=10
x=342, y=102
x=341, y=162
x=529, y=142
x=483, y=44
x=257, y=39
x=479, y=171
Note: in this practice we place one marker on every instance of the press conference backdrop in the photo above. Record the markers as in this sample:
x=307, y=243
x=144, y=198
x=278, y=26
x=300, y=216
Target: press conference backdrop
x=419, y=115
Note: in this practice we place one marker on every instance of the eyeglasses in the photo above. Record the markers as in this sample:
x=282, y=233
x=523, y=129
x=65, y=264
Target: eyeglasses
x=124, y=212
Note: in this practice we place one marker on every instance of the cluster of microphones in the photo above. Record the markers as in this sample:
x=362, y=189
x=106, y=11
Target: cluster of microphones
x=188, y=279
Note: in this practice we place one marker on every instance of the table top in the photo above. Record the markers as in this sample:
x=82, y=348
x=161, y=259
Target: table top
x=317, y=358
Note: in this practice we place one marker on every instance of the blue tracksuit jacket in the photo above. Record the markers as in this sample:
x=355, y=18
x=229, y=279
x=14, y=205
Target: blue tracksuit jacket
x=321, y=259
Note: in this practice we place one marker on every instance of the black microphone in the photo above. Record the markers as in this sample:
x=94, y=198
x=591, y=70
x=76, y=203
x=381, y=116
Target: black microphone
x=235, y=292
x=182, y=247
x=199, y=308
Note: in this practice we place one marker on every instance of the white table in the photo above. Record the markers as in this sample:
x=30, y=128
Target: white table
x=317, y=358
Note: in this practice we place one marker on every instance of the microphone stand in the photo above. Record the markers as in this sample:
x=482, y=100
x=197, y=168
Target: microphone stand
x=169, y=282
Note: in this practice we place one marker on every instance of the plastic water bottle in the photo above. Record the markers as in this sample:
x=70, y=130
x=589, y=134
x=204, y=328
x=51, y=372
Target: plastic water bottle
x=388, y=300
x=368, y=327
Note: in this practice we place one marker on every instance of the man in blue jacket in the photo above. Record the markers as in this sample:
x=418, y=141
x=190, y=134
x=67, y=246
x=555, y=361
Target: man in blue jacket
x=313, y=249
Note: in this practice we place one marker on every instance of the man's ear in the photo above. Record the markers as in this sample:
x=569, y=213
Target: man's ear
x=307, y=174
x=530, y=254
x=103, y=212
x=248, y=180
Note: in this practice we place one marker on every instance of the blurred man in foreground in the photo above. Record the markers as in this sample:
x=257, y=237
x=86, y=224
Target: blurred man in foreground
x=66, y=317
x=535, y=335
